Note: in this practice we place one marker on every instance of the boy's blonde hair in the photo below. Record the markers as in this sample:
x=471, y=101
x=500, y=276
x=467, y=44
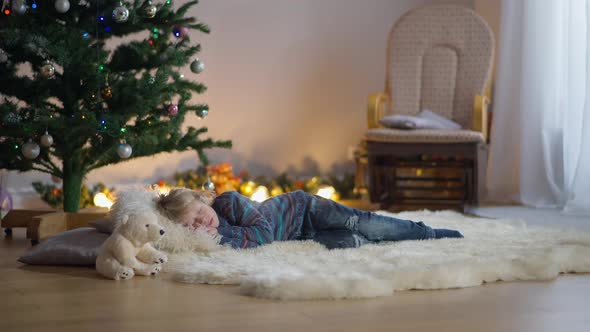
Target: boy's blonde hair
x=173, y=204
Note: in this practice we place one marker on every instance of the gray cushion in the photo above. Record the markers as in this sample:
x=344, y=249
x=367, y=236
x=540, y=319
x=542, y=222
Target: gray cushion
x=399, y=121
x=387, y=135
x=75, y=247
x=103, y=225
x=424, y=120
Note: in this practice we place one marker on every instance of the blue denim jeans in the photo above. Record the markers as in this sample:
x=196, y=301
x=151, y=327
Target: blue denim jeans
x=338, y=226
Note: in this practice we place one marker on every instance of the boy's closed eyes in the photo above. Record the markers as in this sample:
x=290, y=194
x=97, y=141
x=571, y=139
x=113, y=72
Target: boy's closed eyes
x=200, y=216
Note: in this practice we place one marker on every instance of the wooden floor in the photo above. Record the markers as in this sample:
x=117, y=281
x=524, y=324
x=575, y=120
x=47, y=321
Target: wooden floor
x=77, y=299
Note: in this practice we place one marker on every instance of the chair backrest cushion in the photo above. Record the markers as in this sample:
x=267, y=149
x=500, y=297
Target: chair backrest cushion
x=439, y=58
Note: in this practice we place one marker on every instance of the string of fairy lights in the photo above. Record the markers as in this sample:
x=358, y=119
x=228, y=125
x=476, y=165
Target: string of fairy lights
x=119, y=15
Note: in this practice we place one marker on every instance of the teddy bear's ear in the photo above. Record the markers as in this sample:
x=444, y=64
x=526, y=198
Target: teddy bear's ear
x=124, y=219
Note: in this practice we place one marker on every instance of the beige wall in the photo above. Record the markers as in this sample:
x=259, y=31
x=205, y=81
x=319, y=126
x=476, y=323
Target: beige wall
x=287, y=83
x=491, y=11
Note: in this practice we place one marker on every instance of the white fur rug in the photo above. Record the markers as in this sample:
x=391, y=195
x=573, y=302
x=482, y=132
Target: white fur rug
x=492, y=250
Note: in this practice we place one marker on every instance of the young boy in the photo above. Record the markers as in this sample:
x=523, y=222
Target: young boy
x=292, y=216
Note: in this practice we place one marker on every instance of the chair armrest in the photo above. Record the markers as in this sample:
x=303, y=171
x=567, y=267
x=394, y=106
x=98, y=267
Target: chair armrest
x=480, y=115
x=377, y=105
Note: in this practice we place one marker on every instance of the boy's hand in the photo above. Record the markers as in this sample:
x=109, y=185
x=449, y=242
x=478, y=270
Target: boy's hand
x=212, y=231
x=209, y=230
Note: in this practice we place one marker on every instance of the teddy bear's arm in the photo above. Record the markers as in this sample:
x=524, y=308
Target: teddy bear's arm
x=127, y=258
x=150, y=255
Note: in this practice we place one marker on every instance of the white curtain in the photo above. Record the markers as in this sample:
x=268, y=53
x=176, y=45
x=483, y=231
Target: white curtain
x=540, y=142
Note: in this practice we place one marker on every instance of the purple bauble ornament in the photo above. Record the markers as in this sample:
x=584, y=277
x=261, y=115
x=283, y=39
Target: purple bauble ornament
x=180, y=32
x=5, y=202
x=172, y=109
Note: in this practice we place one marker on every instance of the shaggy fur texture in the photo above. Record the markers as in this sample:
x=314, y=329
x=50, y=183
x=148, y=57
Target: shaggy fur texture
x=132, y=200
x=180, y=239
x=492, y=250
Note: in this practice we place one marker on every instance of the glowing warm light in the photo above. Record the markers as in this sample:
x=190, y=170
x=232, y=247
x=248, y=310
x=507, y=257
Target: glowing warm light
x=247, y=188
x=260, y=194
x=326, y=192
x=102, y=200
x=277, y=190
x=313, y=182
x=163, y=190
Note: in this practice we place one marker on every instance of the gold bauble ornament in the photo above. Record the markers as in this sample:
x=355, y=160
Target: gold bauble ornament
x=149, y=10
x=106, y=92
x=247, y=188
x=47, y=70
x=276, y=190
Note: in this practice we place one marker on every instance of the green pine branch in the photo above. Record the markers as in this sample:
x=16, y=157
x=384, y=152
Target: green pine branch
x=87, y=120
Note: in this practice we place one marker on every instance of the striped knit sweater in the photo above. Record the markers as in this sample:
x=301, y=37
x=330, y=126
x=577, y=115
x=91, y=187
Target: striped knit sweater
x=247, y=224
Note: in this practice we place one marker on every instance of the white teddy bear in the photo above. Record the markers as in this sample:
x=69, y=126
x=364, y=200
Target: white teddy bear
x=128, y=250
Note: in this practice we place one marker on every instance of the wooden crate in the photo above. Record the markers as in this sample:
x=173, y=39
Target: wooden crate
x=399, y=179
x=20, y=218
x=41, y=224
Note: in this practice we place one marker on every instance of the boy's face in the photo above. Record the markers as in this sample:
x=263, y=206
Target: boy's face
x=199, y=215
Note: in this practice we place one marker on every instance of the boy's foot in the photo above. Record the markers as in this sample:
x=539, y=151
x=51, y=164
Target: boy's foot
x=443, y=233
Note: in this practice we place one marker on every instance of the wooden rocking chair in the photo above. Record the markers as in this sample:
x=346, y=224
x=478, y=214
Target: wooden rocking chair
x=439, y=58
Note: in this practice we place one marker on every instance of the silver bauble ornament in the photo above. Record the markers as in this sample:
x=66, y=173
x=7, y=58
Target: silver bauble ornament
x=120, y=14
x=124, y=150
x=31, y=150
x=62, y=6
x=209, y=185
x=197, y=66
x=149, y=10
x=12, y=118
x=46, y=140
x=202, y=113
x=3, y=56
x=47, y=70
x=19, y=7
x=163, y=58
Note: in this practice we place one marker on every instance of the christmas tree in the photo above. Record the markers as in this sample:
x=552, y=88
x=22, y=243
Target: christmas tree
x=90, y=83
